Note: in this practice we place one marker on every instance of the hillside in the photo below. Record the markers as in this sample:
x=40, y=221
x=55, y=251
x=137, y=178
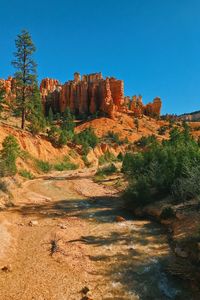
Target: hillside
x=40, y=148
x=193, y=116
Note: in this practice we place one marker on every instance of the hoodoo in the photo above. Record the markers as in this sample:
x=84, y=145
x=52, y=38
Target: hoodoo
x=88, y=95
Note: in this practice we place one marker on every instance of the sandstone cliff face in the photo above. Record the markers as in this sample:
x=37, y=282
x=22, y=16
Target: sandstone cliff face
x=50, y=94
x=9, y=86
x=87, y=95
x=151, y=109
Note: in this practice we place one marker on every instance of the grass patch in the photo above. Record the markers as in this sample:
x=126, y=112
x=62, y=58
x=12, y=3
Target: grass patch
x=86, y=162
x=24, y=155
x=26, y=174
x=65, y=165
x=43, y=166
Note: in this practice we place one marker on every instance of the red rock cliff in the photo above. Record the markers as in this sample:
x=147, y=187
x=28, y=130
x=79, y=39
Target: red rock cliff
x=9, y=87
x=87, y=95
x=151, y=109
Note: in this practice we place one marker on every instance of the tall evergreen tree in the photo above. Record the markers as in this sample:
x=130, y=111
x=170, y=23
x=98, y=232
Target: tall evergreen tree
x=68, y=121
x=50, y=115
x=35, y=112
x=8, y=155
x=26, y=77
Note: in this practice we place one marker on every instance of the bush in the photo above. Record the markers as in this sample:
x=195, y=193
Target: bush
x=162, y=169
x=87, y=138
x=114, y=137
x=43, y=166
x=106, y=158
x=57, y=136
x=67, y=121
x=66, y=164
x=162, y=130
x=54, y=134
x=138, y=194
x=167, y=213
x=108, y=170
x=9, y=154
x=85, y=160
x=145, y=141
x=120, y=156
x=26, y=174
x=62, y=139
x=188, y=185
x=24, y=155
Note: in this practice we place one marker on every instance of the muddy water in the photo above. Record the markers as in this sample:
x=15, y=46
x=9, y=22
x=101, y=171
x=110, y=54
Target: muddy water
x=115, y=260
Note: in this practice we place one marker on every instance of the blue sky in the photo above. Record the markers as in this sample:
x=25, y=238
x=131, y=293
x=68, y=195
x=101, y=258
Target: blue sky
x=153, y=45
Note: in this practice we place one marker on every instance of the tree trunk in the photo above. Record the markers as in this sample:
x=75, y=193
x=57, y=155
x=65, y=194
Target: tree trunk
x=23, y=119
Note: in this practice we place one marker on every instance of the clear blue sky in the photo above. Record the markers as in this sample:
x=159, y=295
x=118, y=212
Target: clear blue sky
x=153, y=45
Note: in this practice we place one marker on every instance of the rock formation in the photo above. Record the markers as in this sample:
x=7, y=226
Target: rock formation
x=9, y=87
x=151, y=109
x=87, y=95
x=50, y=94
x=194, y=116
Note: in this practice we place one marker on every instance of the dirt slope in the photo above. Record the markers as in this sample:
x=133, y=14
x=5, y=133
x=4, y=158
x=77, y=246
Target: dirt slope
x=124, y=126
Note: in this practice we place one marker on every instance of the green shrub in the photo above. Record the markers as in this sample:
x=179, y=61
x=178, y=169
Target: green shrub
x=120, y=156
x=58, y=136
x=188, y=185
x=162, y=169
x=85, y=160
x=162, y=130
x=26, y=174
x=62, y=139
x=54, y=134
x=108, y=170
x=145, y=141
x=167, y=213
x=43, y=166
x=87, y=138
x=114, y=137
x=24, y=155
x=9, y=154
x=65, y=165
x=106, y=158
x=67, y=121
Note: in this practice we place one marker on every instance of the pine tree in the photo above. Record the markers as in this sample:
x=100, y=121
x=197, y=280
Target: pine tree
x=9, y=153
x=50, y=116
x=35, y=112
x=25, y=73
x=68, y=121
x=136, y=122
